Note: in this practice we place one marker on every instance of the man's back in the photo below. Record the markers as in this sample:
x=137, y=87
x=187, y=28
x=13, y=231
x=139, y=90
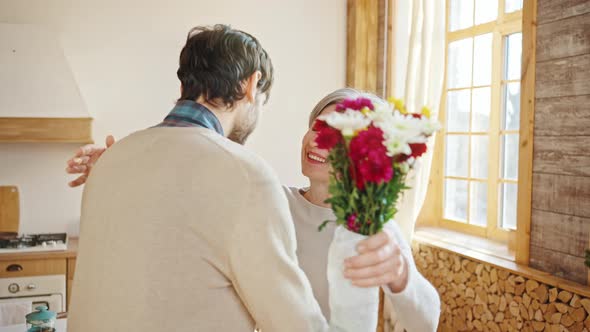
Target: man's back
x=162, y=244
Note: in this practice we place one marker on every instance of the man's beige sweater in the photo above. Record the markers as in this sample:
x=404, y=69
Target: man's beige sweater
x=184, y=230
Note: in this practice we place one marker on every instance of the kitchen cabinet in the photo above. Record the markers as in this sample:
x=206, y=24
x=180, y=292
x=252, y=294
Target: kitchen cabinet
x=55, y=130
x=33, y=264
x=40, y=100
x=60, y=326
x=32, y=267
x=70, y=279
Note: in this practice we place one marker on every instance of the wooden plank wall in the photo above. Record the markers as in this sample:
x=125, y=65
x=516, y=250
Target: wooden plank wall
x=560, y=224
x=362, y=54
x=382, y=48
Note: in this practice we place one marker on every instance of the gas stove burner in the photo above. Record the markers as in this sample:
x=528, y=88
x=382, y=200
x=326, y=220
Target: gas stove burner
x=34, y=240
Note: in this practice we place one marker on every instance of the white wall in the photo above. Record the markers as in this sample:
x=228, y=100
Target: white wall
x=124, y=57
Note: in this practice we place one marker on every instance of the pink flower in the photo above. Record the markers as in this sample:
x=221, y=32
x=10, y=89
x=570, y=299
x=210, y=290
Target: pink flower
x=355, y=104
x=352, y=223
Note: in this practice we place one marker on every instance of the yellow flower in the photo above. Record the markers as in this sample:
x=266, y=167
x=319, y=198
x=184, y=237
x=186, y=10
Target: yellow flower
x=366, y=110
x=426, y=112
x=398, y=104
x=356, y=132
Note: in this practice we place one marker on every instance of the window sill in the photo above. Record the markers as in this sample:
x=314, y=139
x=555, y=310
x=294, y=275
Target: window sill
x=464, y=244
x=490, y=252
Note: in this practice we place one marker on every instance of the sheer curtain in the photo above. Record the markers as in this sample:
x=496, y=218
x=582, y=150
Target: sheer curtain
x=417, y=76
x=418, y=73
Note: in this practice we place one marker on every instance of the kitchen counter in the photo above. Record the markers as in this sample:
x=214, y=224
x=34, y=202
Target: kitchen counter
x=70, y=252
x=60, y=326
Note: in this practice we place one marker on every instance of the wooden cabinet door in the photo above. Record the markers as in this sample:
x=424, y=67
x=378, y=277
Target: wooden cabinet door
x=70, y=281
x=32, y=267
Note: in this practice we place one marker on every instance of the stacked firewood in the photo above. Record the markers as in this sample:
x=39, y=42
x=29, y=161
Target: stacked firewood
x=480, y=297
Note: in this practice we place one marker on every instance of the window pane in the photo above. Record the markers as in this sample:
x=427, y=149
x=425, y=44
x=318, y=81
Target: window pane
x=455, y=200
x=459, y=68
x=482, y=60
x=508, y=193
x=485, y=11
x=458, y=110
x=456, y=155
x=511, y=118
x=510, y=157
x=513, y=5
x=461, y=15
x=480, y=109
x=479, y=204
x=513, y=56
x=479, y=157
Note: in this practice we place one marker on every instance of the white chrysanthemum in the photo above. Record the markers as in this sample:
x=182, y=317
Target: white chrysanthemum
x=407, y=124
x=381, y=116
x=347, y=122
x=397, y=145
x=404, y=126
x=429, y=126
x=402, y=130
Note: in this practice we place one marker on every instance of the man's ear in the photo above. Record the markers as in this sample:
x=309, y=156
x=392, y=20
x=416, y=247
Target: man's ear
x=251, y=86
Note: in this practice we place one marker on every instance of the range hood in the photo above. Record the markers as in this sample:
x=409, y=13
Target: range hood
x=39, y=97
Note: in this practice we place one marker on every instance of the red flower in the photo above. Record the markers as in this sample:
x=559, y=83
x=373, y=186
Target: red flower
x=355, y=104
x=319, y=125
x=367, y=140
x=357, y=176
x=417, y=115
x=418, y=149
x=369, y=156
x=401, y=158
x=376, y=168
x=327, y=137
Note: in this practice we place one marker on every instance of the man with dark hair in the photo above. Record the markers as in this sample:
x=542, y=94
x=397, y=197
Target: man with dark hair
x=199, y=238
x=214, y=65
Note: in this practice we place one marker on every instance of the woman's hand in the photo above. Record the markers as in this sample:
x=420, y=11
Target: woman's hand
x=84, y=160
x=379, y=262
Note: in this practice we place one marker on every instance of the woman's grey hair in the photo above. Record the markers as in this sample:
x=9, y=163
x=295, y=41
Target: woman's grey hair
x=338, y=96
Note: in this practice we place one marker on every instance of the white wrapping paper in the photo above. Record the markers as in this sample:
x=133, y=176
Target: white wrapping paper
x=352, y=309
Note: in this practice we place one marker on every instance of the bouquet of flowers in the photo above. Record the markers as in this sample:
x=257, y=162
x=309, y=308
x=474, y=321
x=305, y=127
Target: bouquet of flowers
x=372, y=147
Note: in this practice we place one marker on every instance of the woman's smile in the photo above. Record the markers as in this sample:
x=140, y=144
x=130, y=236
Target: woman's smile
x=315, y=158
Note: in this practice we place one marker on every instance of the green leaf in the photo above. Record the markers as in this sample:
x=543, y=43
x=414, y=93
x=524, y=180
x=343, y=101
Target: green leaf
x=323, y=225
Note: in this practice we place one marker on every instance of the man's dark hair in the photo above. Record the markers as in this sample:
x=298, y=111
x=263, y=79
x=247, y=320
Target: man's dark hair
x=215, y=62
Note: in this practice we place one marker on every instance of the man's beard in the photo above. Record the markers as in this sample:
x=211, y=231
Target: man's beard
x=245, y=126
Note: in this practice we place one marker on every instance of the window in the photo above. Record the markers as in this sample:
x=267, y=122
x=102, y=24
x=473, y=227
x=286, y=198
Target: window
x=481, y=115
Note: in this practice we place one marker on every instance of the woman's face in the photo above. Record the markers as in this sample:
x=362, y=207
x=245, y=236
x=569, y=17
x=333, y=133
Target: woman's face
x=314, y=164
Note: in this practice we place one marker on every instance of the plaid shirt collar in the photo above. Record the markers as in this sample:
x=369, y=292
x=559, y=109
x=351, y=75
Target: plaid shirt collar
x=188, y=113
